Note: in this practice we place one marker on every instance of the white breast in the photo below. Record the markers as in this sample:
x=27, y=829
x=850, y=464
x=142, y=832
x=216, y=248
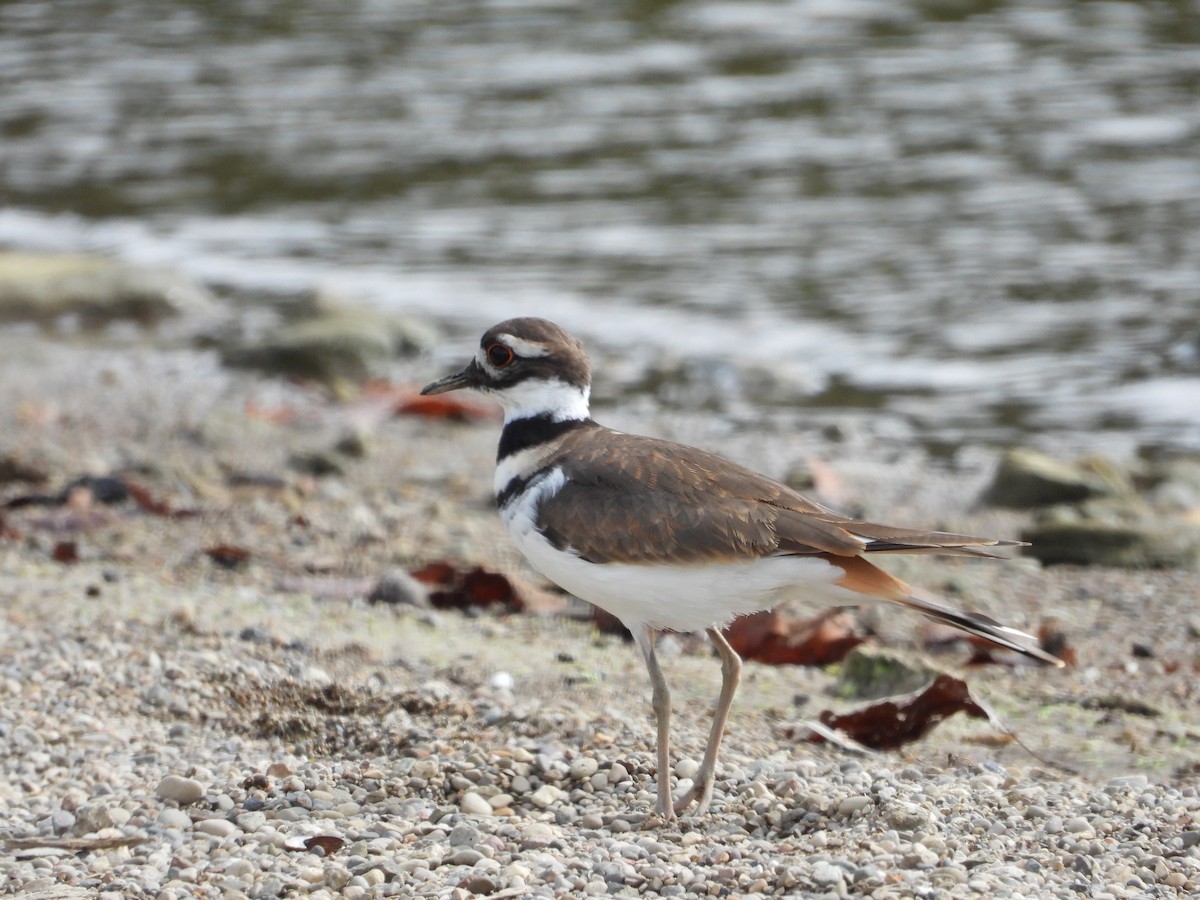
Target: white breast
x=675, y=597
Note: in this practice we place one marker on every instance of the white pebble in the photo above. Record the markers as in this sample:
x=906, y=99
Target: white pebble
x=852, y=805
x=687, y=768
x=215, y=827
x=502, y=681
x=174, y=818
x=545, y=796
x=474, y=805
x=182, y=790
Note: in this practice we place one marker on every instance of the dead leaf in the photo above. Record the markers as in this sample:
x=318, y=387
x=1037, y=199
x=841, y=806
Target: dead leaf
x=325, y=843
x=775, y=638
x=452, y=588
x=227, y=555
x=148, y=504
x=1053, y=639
x=66, y=552
x=891, y=724
x=329, y=843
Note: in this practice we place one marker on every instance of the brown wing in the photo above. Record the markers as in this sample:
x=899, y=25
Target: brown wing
x=634, y=499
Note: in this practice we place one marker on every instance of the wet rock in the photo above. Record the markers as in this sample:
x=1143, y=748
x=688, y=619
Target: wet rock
x=1119, y=535
x=335, y=344
x=44, y=287
x=1028, y=478
x=869, y=673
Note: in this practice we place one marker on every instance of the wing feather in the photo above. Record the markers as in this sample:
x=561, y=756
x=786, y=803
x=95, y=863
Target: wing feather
x=635, y=499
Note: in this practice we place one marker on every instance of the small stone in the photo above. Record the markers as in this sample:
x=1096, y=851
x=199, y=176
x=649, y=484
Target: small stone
x=502, y=681
x=251, y=821
x=546, y=795
x=465, y=856
x=94, y=816
x=538, y=835
x=852, y=805
x=584, y=767
x=216, y=827
x=907, y=817
x=173, y=818
x=826, y=874
x=182, y=790
x=617, y=773
x=686, y=768
x=464, y=835
x=1077, y=825
x=474, y=805
x=480, y=884
x=399, y=588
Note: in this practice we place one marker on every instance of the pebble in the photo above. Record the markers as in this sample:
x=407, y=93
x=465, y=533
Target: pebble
x=216, y=827
x=852, y=805
x=475, y=805
x=583, y=767
x=686, y=768
x=182, y=790
x=174, y=818
x=546, y=795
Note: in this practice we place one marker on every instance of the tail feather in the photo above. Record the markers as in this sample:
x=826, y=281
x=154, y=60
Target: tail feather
x=864, y=578
x=979, y=625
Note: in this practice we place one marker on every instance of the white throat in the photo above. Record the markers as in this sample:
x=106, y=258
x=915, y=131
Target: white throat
x=560, y=401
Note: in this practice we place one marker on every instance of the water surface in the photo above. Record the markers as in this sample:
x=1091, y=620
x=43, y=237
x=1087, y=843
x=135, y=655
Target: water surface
x=981, y=219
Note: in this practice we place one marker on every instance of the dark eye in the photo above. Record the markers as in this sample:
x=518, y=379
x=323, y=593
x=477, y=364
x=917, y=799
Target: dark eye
x=499, y=355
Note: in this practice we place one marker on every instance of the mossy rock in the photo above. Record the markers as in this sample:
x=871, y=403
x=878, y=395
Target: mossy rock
x=1028, y=478
x=870, y=673
x=45, y=287
x=1126, y=545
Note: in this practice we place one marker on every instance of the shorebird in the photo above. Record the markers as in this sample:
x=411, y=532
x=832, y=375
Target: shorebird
x=667, y=537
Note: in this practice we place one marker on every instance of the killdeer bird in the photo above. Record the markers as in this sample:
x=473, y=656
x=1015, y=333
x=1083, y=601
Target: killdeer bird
x=670, y=538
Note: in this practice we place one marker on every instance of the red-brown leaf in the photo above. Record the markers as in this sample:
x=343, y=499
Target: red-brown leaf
x=439, y=406
x=775, y=638
x=891, y=724
x=66, y=552
x=227, y=555
x=454, y=588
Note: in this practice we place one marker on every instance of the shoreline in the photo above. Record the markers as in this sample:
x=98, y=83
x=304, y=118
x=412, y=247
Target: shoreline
x=146, y=659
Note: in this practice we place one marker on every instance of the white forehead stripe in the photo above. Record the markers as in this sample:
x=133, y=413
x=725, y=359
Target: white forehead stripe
x=522, y=347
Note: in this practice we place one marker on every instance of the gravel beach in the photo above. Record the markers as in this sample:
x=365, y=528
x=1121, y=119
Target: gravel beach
x=177, y=722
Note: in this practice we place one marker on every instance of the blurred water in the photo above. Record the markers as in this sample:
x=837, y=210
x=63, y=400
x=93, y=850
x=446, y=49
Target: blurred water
x=982, y=218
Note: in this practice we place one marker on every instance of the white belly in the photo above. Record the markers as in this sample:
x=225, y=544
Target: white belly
x=669, y=597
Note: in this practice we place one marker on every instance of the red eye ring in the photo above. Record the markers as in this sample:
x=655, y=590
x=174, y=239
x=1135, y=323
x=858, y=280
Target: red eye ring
x=499, y=355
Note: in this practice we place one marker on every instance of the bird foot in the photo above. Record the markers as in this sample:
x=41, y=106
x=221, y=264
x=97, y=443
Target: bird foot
x=699, y=793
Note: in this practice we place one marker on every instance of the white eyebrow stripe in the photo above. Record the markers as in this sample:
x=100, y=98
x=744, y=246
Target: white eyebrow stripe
x=522, y=347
